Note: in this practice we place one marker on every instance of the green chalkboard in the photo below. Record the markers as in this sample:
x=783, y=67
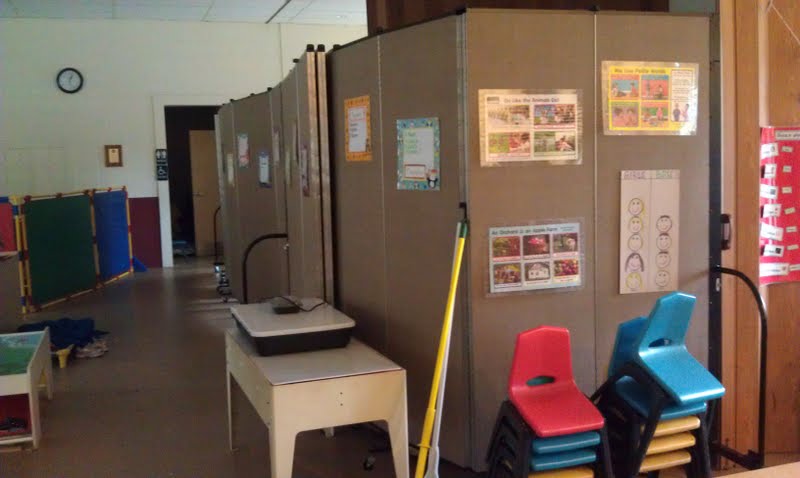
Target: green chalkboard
x=60, y=248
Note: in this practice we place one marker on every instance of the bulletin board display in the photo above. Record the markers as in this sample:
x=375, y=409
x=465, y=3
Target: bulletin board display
x=650, y=98
x=779, y=239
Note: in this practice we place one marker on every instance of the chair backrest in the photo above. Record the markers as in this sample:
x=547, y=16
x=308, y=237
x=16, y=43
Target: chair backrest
x=628, y=335
x=668, y=323
x=541, y=357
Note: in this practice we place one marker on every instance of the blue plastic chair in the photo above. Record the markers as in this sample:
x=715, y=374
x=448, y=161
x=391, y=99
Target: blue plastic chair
x=662, y=352
x=629, y=335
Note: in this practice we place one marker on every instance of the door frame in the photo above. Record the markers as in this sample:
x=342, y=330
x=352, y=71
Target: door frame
x=160, y=137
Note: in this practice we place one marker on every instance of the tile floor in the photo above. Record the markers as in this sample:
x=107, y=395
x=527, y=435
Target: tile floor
x=154, y=406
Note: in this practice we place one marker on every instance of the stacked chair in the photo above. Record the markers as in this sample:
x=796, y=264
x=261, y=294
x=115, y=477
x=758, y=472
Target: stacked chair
x=658, y=399
x=547, y=428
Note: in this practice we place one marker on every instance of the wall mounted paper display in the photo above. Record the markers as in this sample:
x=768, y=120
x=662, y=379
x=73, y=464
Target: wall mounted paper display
x=418, y=154
x=358, y=134
x=780, y=205
x=649, y=231
x=229, y=169
x=243, y=150
x=649, y=98
x=264, y=170
x=542, y=256
x=529, y=125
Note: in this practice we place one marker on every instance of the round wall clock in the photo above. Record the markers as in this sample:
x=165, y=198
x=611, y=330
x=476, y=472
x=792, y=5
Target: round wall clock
x=69, y=80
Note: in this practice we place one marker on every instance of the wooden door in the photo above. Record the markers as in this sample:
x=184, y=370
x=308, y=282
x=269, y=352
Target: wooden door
x=202, y=151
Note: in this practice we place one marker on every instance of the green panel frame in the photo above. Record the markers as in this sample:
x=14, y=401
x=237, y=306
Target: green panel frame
x=60, y=243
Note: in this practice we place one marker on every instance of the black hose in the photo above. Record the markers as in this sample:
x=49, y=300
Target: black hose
x=247, y=254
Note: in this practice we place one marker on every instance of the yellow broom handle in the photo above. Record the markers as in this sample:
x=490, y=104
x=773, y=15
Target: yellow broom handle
x=427, y=428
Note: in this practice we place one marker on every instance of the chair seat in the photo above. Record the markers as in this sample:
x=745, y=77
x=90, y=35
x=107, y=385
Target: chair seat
x=683, y=377
x=670, y=443
x=676, y=425
x=636, y=396
x=557, y=409
x=665, y=460
x=567, y=459
x=565, y=442
x=577, y=472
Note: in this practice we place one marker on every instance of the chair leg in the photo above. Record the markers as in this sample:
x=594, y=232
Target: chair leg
x=603, y=466
x=704, y=458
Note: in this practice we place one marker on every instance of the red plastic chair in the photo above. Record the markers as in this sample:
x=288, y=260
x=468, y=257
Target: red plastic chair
x=542, y=386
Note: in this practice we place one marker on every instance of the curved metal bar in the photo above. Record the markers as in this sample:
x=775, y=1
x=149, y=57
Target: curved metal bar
x=753, y=459
x=247, y=254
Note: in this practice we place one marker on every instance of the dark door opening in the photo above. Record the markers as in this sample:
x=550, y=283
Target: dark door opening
x=180, y=120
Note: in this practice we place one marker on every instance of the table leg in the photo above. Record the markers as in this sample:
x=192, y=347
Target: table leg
x=48, y=378
x=231, y=415
x=281, y=449
x=33, y=404
x=398, y=434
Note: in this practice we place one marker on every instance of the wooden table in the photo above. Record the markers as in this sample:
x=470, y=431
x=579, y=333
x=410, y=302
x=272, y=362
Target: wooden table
x=792, y=470
x=24, y=357
x=315, y=390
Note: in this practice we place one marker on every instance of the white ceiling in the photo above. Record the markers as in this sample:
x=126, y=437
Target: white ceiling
x=335, y=12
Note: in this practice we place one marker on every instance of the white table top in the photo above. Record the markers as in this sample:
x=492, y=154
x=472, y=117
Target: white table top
x=355, y=359
x=792, y=470
x=261, y=321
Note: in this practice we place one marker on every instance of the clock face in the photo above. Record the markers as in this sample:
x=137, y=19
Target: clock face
x=69, y=80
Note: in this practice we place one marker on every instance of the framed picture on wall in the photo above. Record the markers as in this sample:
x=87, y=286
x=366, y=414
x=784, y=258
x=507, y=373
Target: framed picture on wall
x=113, y=155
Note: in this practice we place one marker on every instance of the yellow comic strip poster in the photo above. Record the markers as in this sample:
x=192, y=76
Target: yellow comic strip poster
x=358, y=134
x=650, y=98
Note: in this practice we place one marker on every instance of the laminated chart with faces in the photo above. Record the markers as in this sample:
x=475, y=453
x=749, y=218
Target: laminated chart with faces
x=649, y=208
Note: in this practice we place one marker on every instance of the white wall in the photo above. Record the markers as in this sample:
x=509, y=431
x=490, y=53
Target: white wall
x=52, y=141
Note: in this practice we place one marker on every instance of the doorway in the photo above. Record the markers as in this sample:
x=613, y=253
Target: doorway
x=192, y=230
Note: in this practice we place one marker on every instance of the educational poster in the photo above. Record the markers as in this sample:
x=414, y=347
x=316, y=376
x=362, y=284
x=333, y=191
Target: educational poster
x=264, y=170
x=529, y=125
x=780, y=205
x=649, y=231
x=7, y=231
x=243, y=150
x=544, y=256
x=418, y=154
x=357, y=134
x=303, y=160
x=649, y=98
x=229, y=168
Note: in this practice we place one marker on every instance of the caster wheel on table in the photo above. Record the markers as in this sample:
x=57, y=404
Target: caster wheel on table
x=369, y=463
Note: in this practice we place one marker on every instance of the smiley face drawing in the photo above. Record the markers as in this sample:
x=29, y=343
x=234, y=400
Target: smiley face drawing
x=635, y=206
x=635, y=242
x=663, y=259
x=635, y=224
x=664, y=223
x=633, y=281
x=662, y=278
x=663, y=242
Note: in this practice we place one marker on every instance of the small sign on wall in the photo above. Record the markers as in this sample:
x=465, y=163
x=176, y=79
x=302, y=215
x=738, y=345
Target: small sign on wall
x=162, y=168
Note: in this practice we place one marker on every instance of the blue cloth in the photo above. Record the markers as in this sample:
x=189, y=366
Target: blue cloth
x=65, y=332
x=113, y=247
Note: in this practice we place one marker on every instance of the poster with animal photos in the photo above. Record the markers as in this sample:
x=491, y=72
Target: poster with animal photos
x=649, y=231
x=542, y=256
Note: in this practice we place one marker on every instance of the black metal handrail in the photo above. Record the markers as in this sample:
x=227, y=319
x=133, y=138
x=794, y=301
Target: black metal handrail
x=753, y=459
x=247, y=254
x=216, y=244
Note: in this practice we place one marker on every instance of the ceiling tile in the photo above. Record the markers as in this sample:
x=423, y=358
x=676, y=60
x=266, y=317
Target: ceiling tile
x=342, y=18
x=92, y=9
x=160, y=13
x=163, y=3
x=7, y=10
x=258, y=14
x=338, y=6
